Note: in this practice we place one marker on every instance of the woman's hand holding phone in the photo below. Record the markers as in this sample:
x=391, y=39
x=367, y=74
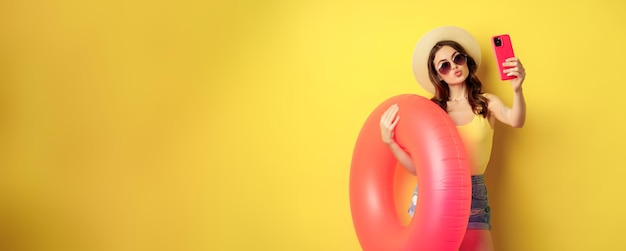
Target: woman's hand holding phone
x=510, y=67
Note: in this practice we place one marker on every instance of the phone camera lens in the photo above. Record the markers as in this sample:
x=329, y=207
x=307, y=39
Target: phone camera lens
x=497, y=41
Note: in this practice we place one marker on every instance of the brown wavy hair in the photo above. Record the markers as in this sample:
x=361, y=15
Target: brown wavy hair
x=442, y=90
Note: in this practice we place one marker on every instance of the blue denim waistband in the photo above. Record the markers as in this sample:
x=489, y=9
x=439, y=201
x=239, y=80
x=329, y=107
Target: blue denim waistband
x=478, y=179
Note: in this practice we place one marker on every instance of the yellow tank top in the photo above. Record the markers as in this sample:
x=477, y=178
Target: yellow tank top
x=477, y=137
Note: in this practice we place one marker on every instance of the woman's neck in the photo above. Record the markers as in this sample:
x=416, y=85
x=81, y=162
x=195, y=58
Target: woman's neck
x=458, y=92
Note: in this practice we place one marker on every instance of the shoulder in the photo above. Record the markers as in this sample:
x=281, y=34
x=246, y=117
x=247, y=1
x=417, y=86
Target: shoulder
x=492, y=99
x=490, y=96
x=494, y=104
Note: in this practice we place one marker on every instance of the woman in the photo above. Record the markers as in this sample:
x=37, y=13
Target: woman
x=445, y=62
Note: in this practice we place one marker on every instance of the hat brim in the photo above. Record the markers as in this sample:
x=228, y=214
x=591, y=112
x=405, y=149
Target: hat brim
x=428, y=41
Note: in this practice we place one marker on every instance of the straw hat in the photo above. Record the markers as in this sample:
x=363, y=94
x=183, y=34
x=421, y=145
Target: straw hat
x=428, y=41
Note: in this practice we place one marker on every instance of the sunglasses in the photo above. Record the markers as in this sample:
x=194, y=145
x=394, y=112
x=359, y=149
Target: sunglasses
x=458, y=59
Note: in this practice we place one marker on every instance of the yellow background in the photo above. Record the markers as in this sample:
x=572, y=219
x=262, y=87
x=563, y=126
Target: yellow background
x=229, y=125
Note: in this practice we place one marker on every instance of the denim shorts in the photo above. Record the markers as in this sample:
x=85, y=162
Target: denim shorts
x=480, y=212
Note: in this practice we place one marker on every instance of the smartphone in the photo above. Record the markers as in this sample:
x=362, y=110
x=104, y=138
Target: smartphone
x=502, y=49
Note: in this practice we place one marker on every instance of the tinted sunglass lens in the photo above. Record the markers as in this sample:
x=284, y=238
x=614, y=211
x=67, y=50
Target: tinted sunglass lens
x=460, y=59
x=444, y=68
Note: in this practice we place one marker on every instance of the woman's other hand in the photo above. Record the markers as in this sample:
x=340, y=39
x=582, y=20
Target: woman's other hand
x=388, y=122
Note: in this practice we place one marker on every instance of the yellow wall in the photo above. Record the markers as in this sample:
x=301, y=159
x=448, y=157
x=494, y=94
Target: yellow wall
x=229, y=125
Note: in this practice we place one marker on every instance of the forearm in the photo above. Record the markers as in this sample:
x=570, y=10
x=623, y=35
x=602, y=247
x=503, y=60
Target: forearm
x=402, y=156
x=518, y=111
